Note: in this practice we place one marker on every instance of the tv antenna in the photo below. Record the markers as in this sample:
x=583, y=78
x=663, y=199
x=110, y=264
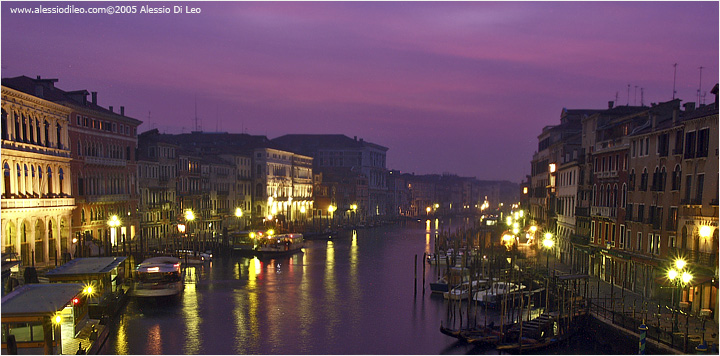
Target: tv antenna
x=699, y=85
x=674, y=78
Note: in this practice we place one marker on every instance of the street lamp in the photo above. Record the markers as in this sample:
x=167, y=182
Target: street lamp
x=331, y=210
x=680, y=277
x=189, y=216
x=354, y=210
x=238, y=214
x=427, y=211
x=548, y=243
x=113, y=223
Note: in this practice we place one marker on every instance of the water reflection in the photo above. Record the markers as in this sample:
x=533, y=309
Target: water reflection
x=190, y=312
x=154, y=340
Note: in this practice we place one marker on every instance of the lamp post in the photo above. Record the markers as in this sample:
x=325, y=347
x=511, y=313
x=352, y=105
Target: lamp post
x=238, y=214
x=354, y=213
x=189, y=217
x=679, y=277
x=331, y=210
x=548, y=243
x=113, y=223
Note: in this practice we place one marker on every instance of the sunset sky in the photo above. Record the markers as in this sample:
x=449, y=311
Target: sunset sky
x=461, y=87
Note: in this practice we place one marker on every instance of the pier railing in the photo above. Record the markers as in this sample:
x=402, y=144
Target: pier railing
x=675, y=329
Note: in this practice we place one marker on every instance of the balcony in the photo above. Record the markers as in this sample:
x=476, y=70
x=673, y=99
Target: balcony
x=607, y=174
x=30, y=147
x=604, y=211
x=103, y=161
x=580, y=240
x=579, y=211
x=37, y=203
x=107, y=198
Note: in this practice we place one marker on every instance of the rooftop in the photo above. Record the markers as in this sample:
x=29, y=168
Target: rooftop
x=88, y=265
x=39, y=298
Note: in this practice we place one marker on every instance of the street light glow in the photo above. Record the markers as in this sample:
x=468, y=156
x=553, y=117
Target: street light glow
x=686, y=277
x=238, y=212
x=189, y=215
x=680, y=263
x=705, y=231
x=548, y=243
x=672, y=274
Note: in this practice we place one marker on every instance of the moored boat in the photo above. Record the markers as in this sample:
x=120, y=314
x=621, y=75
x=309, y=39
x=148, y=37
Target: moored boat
x=493, y=295
x=282, y=244
x=158, y=277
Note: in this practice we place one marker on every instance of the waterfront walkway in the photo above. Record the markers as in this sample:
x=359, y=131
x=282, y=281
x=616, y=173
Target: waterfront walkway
x=631, y=308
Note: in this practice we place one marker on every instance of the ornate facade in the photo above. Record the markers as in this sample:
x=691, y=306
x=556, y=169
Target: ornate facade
x=37, y=198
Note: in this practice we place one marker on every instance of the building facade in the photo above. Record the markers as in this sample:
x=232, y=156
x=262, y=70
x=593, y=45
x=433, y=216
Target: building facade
x=37, y=200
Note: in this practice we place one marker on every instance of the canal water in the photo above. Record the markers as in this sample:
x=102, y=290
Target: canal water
x=354, y=294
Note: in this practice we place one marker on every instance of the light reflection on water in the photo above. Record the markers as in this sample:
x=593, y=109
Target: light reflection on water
x=191, y=318
x=351, y=295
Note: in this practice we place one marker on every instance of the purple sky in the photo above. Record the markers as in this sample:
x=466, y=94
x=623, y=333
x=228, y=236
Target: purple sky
x=464, y=88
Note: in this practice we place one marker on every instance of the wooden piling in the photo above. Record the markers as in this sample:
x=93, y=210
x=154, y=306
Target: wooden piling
x=415, y=284
x=423, y=274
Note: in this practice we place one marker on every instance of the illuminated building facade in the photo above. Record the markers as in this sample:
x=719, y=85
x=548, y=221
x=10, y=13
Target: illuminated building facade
x=37, y=200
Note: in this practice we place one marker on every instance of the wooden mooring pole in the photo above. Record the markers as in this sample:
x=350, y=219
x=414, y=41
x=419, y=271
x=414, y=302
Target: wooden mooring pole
x=415, y=284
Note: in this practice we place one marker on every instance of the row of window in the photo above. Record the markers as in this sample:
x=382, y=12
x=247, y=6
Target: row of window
x=30, y=185
x=696, y=144
x=604, y=232
x=84, y=121
x=32, y=130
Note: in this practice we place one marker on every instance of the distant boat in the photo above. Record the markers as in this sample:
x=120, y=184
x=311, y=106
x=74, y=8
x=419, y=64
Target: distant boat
x=283, y=244
x=158, y=277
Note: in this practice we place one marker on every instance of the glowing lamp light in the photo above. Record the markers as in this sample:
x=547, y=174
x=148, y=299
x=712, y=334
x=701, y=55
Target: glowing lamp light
x=238, y=212
x=271, y=232
x=88, y=290
x=181, y=228
x=533, y=228
x=548, y=243
x=672, y=274
x=548, y=235
x=705, y=231
x=74, y=240
x=189, y=215
x=686, y=277
x=437, y=206
x=57, y=319
x=680, y=263
x=75, y=301
x=302, y=209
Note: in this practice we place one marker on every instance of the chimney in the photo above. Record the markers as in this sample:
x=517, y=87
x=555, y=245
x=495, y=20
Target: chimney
x=611, y=104
x=355, y=138
x=94, y=98
x=110, y=108
x=689, y=107
x=675, y=117
x=122, y=111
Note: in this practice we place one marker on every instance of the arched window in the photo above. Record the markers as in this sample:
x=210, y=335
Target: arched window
x=47, y=134
x=58, y=135
x=38, y=140
x=49, y=180
x=676, y=178
x=31, y=123
x=24, y=129
x=6, y=180
x=624, y=196
x=5, y=135
x=656, y=179
x=615, y=196
x=61, y=175
x=663, y=179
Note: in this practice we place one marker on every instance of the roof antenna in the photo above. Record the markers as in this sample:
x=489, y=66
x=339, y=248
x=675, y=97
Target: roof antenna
x=642, y=97
x=635, y=99
x=674, y=77
x=628, y=101
x=700, y=85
